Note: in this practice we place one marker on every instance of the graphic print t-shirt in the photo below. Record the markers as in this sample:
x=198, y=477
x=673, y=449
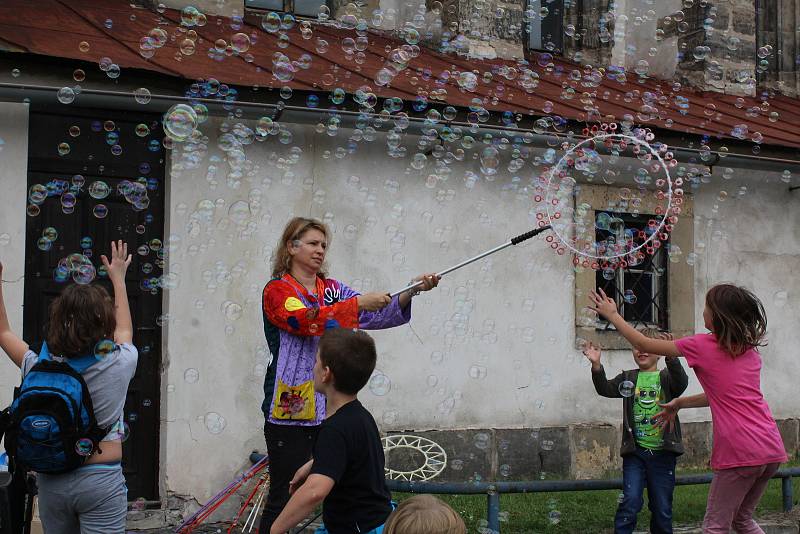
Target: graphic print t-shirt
x=645, y=406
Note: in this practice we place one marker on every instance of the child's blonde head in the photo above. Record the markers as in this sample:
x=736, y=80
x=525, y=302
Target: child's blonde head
x=424, y=514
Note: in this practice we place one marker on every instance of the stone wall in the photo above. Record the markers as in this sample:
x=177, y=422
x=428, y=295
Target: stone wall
x=729, y=60
x=583, y=451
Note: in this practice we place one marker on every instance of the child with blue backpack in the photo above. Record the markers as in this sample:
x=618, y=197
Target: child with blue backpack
x=87, y=362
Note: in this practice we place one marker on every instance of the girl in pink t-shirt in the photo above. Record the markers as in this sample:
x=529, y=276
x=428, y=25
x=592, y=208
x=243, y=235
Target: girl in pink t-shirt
x=747, y=446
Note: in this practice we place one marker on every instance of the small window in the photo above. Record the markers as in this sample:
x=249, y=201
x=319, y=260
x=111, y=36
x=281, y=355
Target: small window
x=544, y=25
x=640, y=288
x=659, y=285
x=777, y=53
x=688, y=26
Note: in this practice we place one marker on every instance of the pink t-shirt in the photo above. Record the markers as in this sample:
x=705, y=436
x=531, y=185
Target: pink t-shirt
x=744, y=431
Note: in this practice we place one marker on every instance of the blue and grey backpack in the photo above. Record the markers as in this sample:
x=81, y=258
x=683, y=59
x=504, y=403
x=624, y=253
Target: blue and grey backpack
x=52, y=425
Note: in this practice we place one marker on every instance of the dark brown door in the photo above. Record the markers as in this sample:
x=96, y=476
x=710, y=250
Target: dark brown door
x=89, y=230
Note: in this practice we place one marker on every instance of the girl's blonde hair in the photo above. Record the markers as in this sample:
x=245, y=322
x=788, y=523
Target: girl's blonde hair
x=738, y=318
x=295, y=229
x=424, y=514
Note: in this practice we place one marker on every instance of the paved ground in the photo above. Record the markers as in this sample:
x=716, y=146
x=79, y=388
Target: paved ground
x=771, y=524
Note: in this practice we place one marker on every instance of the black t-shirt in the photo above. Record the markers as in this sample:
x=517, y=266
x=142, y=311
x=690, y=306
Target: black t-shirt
x=348, y=450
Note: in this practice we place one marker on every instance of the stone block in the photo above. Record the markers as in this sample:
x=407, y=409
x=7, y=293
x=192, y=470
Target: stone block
x=790, y=432
x=595, y=450
x=531, y=454
x=744, y=21
x=697, y=445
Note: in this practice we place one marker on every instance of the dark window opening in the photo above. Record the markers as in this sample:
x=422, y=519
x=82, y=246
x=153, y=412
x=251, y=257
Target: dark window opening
x=544, y=25
x=301, y=8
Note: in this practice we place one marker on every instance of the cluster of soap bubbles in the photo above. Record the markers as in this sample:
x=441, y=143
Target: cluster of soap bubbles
x=77, y=267
x=601, y=240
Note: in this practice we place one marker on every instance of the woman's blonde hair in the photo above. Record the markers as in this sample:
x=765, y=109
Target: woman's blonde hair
x=295, y=229
x=424, y=514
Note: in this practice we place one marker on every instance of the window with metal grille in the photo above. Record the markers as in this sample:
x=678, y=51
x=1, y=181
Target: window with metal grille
x=639, y=285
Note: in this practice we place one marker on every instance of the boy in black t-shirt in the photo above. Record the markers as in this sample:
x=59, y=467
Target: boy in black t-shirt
x=346, y=472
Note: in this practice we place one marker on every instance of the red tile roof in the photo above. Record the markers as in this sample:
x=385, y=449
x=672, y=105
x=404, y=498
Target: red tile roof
x=56, y=27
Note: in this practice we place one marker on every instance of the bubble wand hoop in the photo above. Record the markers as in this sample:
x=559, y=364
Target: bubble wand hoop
x=513, y=241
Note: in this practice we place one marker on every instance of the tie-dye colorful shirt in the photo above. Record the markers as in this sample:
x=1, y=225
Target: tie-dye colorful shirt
x=294, y=320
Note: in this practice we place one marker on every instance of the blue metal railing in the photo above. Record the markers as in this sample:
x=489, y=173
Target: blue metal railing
x=492, y=490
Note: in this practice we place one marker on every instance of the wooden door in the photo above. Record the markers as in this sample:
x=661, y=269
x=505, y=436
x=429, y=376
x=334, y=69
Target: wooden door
x=89, y=230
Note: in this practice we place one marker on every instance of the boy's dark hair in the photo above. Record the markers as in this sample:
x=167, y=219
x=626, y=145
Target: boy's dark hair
x=351, y=357
x=80, y=316
x=738, y=318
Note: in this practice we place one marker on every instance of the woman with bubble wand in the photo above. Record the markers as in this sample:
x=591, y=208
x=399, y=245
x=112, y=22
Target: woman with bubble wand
x=299, y=303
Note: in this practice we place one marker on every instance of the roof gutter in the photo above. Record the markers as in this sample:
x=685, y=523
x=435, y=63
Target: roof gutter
x=124, y=100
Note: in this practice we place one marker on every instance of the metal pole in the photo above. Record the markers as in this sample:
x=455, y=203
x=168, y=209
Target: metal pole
x=493, y=510
x=513, y=241
x=786, y=490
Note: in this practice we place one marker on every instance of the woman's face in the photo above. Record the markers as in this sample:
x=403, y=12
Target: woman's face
x=308, y=251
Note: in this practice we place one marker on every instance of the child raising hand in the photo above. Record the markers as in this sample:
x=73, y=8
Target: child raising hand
x=747, y=447
x=92, y=335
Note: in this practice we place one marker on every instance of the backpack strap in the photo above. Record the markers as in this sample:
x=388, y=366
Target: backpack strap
x=44, y=354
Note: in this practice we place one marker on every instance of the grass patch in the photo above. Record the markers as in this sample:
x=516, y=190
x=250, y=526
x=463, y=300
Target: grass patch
x=590, y=511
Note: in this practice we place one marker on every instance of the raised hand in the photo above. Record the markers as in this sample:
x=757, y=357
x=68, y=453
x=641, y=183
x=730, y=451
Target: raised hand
x=592, y=353
x=120, y=260
x=602, y=303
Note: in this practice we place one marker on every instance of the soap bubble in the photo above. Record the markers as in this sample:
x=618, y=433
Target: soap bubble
x=191, y=375
x=481, y=440
x=66, y=95
x=84, y=274
x=142, y=95
x=99, y=190
x=44, y=244
x=215, y=423
x=84, y=447
x=478, y=372
x=379, y=384
x=100, y=211
x=626, y=388
x=104, y=348
x=179, y=122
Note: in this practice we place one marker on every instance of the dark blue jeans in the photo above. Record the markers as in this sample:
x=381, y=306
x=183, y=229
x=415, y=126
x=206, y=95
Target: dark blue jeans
x=654, y=470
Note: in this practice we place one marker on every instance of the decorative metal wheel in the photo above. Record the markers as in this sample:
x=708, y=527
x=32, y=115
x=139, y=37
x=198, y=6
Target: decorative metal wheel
x=435, y=457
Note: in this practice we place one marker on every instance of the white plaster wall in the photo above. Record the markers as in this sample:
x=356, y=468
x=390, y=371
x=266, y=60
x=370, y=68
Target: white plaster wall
x=13, y=183
x=504, y=361
x=754, y=240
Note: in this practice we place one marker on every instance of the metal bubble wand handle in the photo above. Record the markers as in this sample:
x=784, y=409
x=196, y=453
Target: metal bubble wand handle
x=513, y=241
